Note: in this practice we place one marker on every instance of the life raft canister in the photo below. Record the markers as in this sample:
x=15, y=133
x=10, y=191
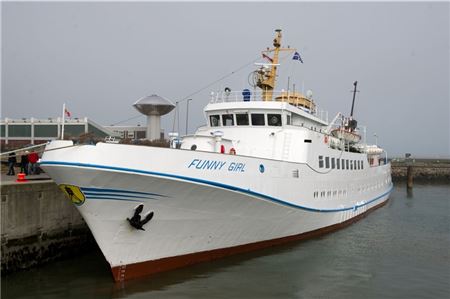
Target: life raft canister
x=232, y=151
x=222, y=149
x=325, y=139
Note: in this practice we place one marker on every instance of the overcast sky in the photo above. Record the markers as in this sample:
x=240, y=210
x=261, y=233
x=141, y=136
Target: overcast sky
x=100, y=58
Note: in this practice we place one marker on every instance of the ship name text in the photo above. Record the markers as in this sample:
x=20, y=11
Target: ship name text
x=216, y=165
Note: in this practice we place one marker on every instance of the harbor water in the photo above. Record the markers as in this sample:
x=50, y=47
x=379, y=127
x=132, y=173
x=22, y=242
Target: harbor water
x=401, y=250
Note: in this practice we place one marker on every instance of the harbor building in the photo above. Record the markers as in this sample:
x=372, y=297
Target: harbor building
x=23, y=131
x=131, y=132
x=36, y=131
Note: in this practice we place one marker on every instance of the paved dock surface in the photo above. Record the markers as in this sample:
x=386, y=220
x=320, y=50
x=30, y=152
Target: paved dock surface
x=11, y=179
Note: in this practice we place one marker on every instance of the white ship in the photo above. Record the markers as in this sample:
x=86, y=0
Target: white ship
x=264, y=170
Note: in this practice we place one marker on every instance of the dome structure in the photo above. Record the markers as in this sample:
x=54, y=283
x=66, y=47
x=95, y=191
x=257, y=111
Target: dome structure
x=153, y=106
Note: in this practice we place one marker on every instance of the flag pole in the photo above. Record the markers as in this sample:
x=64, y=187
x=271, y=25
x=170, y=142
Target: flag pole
x=63, y=116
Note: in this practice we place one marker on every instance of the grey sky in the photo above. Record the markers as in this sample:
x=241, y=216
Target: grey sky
x=100, y=58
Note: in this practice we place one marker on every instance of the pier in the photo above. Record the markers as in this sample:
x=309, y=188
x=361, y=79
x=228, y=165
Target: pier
x=421, y=169
x=38, y=224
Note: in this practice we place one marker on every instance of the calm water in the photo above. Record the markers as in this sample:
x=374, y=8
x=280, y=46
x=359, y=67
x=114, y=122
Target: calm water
x=399, y=251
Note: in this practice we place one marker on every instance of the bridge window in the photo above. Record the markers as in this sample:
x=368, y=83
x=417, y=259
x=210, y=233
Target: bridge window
x=274, y=119
x=320, y=161
x=333, y=163
x=346, y=164
x=227, y=119
x=327, y=162
x=214, y=120
x=338, y=163
x=242, y=119
x=258, y=119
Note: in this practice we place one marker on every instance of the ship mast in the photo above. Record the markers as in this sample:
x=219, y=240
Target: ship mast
x=354, y=96
x=267, y=77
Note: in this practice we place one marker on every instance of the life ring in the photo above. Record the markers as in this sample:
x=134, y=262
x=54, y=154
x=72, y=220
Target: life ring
x=232, y=151
x=325, y=139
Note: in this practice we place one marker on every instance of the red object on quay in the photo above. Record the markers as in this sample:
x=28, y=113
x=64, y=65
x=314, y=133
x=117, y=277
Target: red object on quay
x=21, y=177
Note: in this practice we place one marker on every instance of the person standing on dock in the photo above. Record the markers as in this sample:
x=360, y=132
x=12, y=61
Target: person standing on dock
x=24, y=163
x=12, y=160
x=32, y=159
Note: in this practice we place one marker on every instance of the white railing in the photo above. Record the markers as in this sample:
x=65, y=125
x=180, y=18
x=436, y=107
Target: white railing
x=256, y=95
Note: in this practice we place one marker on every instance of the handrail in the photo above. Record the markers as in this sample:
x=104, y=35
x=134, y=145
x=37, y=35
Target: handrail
x=256, y=95
x=23, y=149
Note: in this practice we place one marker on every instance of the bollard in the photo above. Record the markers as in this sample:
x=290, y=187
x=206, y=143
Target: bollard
x=409, y=176
x=21, y=177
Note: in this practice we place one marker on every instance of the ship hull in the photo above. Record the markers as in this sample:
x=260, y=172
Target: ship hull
x=200, y=214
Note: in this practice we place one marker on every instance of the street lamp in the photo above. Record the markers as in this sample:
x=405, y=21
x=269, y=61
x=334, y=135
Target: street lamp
x=187, y=114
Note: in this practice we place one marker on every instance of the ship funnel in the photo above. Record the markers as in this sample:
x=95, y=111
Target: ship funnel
x=153, y=106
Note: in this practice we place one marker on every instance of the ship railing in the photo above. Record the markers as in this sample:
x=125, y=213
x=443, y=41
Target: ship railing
x=253, y=95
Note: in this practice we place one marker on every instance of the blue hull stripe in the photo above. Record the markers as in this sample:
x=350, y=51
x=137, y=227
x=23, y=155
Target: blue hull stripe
x=112, y=198
x=224, y=186
x=115, y=195
x=90, y=189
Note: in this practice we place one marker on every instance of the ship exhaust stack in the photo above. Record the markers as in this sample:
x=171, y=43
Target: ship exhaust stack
x=154, y=106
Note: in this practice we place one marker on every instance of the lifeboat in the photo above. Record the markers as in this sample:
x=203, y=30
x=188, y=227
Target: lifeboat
x=346, y=135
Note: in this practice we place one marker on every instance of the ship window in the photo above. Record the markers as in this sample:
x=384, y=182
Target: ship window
x=274, y=119
x=214, y=120
x=242, y=119
x=346, y=164
x=288, y=119
x=359, y=164
x=333, y=165
x=338, y=163
x=320, y=161
x=351, y=164
x=362, y=164
x=327, y=162
x=307, y=140
x=258, y=119
x=227, y=119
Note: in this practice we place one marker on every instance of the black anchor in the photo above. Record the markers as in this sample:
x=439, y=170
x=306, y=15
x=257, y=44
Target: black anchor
x=136, y=221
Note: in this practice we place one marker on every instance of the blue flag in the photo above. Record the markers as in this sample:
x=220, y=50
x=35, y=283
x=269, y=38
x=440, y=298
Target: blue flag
x=297, y=57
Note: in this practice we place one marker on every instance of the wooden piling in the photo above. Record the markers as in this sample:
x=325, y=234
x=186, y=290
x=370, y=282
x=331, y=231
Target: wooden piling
x=410, y=176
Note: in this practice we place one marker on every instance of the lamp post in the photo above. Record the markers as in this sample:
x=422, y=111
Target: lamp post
x=187, y=114
x=376, y=138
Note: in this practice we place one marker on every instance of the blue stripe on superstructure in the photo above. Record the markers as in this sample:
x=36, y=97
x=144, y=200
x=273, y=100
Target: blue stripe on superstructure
x=118, y=191
x=216, y=184
x=116, y=195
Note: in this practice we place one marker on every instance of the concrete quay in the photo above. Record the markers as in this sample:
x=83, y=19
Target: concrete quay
x=422, y=169
x=38, y=224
